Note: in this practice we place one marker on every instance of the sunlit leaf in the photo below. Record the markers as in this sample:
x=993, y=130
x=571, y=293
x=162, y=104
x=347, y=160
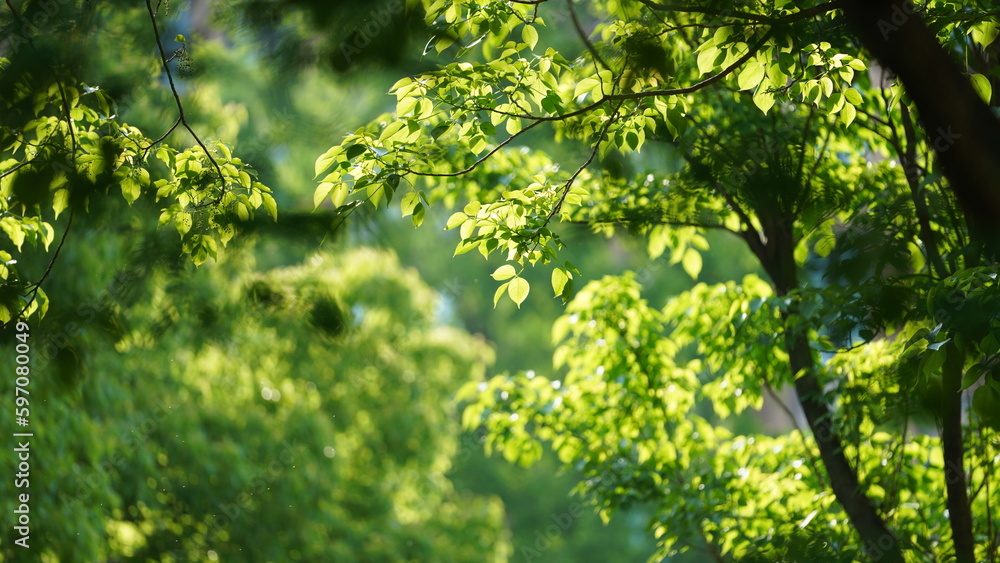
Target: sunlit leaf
x=518, y=290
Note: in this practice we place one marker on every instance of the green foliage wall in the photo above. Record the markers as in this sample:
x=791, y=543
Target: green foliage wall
x=297, y=414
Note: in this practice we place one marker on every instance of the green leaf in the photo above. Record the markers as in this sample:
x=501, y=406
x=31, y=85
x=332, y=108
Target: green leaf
x=327, y=159
x=848, y=114
x=180, y=38
x=764, y=100
x=984, y=32
x=972, y=375
x=14, y=230
x=559, y=279
x=751, y=75
x=827, y=85
x=513, y=125
x=504, y=272
x=131, y=189
x=409, y=203
x=706, y=59
x=857, y=64
x=499, y=293
x=60, y=201
x=529, y=35
x=443, y=42
x=183, y=222
x=835, y=103
x=339, y=194
x=354, y=151
x=632, y=140
x=692, y=263
x=981, y=84
x=586, y=85
x=676, y=122
x=392, y=180
x=455, y=220
x=375, y=194
x=518, y=290
x=853, y=96
x=320, y=194
x=418, y=215
x=989, y=345
x=270, y=206
x=931, y=362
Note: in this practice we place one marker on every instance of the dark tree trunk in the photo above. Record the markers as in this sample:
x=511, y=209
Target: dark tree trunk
x=777, y=257
x=959, y=509
x=965, y=134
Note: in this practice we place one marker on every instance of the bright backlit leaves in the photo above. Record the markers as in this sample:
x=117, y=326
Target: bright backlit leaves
x=53, y=168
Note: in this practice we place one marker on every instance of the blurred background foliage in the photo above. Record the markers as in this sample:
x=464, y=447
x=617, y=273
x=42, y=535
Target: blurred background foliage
x=292, y=400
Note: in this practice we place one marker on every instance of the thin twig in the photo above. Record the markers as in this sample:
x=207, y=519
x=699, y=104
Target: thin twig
x=479, y=161
x=644, y=221
x=38, y=284
x=180, y=106
x=19, y=166
x=69, y=120
x=593, y=154
x=800, y=15
x=583, y=35
x=162, y=137
x=648, y=93
x=35, y=287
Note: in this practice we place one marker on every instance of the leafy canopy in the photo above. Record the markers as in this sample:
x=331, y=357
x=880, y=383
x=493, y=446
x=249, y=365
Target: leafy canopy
x=766, y=120
x=63, y=145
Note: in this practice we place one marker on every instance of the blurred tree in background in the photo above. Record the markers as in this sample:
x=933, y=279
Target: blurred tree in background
x=242, y=414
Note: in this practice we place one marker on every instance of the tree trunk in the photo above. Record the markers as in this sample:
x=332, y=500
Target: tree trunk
x=878, y=542
x=959, y=510
x=965, y=134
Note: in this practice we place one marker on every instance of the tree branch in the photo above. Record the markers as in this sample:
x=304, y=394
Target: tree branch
x=583, y=36
x=593, y=154
x=646, y=93
x=800, y=15
x=48, y=270
x=180, y=106
x=478, y=161
x=909, y=158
